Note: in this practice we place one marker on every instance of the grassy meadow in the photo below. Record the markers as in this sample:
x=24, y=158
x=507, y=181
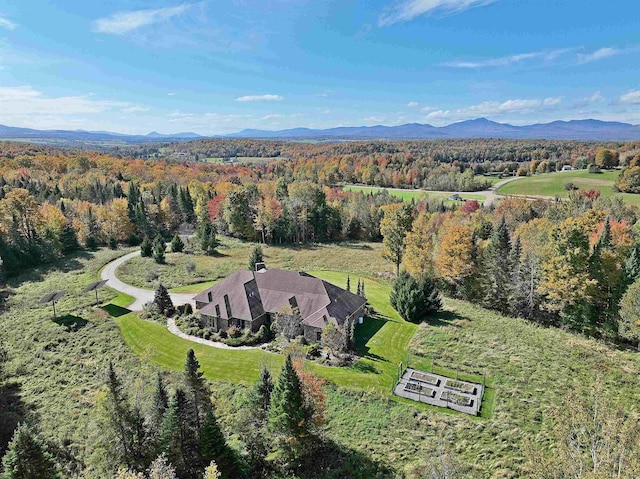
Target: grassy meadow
x=552, y=185
x=417, y=195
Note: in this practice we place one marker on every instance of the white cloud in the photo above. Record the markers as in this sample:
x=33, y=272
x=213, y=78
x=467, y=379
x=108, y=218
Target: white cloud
x=630, y=98
x=494, y=109
x=171, y=93
x=135, y=109
x=24, y=100
x=596, y=97
x=375, y=120
x=121, y=23
x=546, y=56
x=325, y=94
x=599, y=54
x=260, y=98
x=552, y=101
x=427, y=109
x=412, y=104
x=406, y=10
x=8, y=24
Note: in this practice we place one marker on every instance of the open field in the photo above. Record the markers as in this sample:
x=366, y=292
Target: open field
x=408, y=195
x=358, y=258
x=552, y=185
x=243, y=159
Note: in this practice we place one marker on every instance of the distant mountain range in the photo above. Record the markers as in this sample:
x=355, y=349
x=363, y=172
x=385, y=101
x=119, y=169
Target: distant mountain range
x=15, y=133
x=480, y=128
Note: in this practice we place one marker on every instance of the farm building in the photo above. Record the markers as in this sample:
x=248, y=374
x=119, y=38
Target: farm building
x=249, y=299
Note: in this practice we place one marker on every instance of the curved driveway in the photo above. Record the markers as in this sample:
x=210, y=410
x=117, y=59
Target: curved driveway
x=141, y=295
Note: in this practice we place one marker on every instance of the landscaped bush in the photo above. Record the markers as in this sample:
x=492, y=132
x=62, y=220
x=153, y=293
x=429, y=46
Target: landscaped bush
x=151, y=312
x=234, y=332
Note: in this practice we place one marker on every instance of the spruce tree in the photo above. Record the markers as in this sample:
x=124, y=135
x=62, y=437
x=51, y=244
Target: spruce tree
x=256, y=257
x=27, y=457
x=158, y=408
x=196, y=388
x=214, y=447
x=177, y=245
x=158, y=250
x=497, y=269
x=178, y=438
x=118, y=414
x=146, y=247
x=432, y=302
x=254, y=416
x=348, y=283
x=163, y=300
x=632, y=265
x=287, y=417
x=362, y=293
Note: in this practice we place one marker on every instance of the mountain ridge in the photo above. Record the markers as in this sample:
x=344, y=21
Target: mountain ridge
x=585, y=130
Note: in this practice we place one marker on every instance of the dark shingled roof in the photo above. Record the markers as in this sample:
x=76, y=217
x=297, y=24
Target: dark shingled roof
x=251, y=294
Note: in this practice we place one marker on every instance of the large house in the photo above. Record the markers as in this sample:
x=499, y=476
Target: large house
x=249, y=299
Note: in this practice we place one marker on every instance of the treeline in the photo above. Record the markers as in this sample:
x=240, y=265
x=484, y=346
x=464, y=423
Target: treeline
x=568, y=263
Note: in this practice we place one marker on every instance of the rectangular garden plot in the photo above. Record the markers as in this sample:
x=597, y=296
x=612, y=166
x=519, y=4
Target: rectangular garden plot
x=425, y=378
x=440, y=391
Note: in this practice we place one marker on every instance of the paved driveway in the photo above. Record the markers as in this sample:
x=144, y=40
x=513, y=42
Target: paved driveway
x=141, y=295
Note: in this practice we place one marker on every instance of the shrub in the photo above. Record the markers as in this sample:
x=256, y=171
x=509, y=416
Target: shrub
x=264, y=334
x=177, y=245
x=593, y=169
x=234, y=332
x=570, y=187
x=190, y=267
x=151, y=276
x=146, y=248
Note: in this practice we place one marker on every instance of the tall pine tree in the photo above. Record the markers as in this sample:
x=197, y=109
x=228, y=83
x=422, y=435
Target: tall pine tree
x=27, y=457
x=497, y=269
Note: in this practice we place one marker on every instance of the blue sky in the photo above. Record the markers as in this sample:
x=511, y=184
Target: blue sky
x=218, y=66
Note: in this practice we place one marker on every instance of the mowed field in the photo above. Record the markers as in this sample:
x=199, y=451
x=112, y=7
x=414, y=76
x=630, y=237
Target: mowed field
x=553, y=184
x=408, y=195
x=59, y=369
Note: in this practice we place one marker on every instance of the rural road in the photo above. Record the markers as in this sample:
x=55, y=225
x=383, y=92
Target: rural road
x=141, y=295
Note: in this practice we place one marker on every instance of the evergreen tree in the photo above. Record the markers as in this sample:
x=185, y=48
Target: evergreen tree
x=359, y=288
x=632, y=265
x=288, y=423
x=256, y=257
x=163, y=300
x=213, y=446
x=118, y=413
x=68, y=239
x=254, y=415
x=146, y=247
x=208, y=237
x=178, y=437
x=432, y=302
x=185, y=203
x=196, y=388
x=158, y=250
x=348, y=283
x=497, y=269
x=161, y=469
x=27, y=457
x=177, y=245
x=362, y=293
x=159, y=408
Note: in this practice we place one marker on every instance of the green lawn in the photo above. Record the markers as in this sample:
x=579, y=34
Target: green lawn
x=382, y=341
x=552, y=185
x=408, y=195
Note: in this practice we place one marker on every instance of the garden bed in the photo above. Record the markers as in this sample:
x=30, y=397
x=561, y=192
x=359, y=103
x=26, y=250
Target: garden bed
x=425, y=378
x=460, y=386
x=459, y=399
x=419, y=389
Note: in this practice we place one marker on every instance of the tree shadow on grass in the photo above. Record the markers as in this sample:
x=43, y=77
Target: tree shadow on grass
x=38, y=273
x=444, y=318
x=12, y=412
x=115, y=311
x=333, y=461
x=71, y=322
x=365, y=367
x=367, y=330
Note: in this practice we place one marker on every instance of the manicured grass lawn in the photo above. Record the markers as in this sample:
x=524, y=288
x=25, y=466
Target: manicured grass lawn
x=408, y=195
x=552, y=185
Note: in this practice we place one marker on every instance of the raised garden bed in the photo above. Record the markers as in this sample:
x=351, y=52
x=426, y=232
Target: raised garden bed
x=425, y=378
x=419, y=389
x=460, y=386
x=454, y=398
